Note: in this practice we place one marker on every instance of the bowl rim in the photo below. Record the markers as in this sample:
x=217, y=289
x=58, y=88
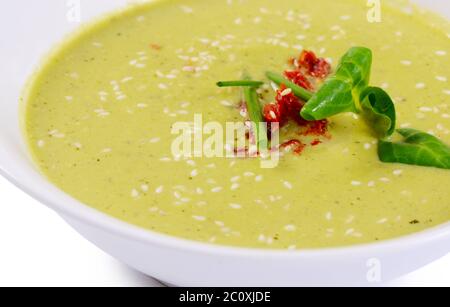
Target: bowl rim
x=41, y=189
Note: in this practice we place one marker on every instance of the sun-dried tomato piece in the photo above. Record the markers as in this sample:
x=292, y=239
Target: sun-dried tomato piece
x=316, y=67
x=307, y=60
x=319, y=128
x=322, y=69
x=296, y=146
x=298, y=78
x=290, y=105
x=272, y=113
x=316, y=142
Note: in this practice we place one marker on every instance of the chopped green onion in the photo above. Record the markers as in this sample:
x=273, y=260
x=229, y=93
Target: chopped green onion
x=256, y=116
x=241, y=83
x=298, y=91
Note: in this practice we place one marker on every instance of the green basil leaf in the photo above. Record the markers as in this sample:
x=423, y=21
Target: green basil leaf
x=418, y=148
x=378, y=110
x=340, y=93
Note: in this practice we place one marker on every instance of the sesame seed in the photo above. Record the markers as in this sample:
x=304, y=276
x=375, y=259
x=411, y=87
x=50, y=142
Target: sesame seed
x=40, y=143
x=350, y=219
x=258, y=178
x=216, y=189
x=159, y=189
x=420, y=115
x=328, y=216
x=134, y=193
x=441, y=52
x=199, y=218
x=235, y=178
x=286, y=92
x=290, y=228
x=349, y=231
x=382, y=221
x=425, y=109
x=420, y=85
x=288, y=185
x=234, y=186
x=406, y=62
x=219, y=223
x=441, y=78
x=235, y=206
x=185, y=104
x=356, y=183
x=397, y=172
x=153, y=209
x=226, y=103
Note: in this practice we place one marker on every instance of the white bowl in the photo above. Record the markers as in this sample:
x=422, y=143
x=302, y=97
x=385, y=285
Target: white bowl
x=28, y=30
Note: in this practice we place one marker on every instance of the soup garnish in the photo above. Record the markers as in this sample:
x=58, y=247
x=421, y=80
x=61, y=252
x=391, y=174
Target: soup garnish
x=347, y=90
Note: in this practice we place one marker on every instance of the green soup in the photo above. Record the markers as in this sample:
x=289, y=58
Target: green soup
x=99, y=117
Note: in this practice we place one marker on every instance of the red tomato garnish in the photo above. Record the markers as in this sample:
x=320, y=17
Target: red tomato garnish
x=319, y=127
x=316, y=67
x=307, y=60
x=322, y=69
x=296, y=146
x=290, y=106
x=298, y=78
x=316, y=142
x=155, y=46
x=272, y=113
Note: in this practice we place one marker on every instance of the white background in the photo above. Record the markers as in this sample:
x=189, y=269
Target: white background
x=37, y=248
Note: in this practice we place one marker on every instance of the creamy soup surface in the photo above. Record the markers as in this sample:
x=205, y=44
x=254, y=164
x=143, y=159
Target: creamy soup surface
x=99, y=115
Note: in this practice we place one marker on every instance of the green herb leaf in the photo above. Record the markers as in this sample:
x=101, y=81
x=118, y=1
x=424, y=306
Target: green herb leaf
x=418, y=148
x=378, y=111
x=356, y=65
x=333, y=98
x=340, y=93
x=298, y=91
x=241, y=83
